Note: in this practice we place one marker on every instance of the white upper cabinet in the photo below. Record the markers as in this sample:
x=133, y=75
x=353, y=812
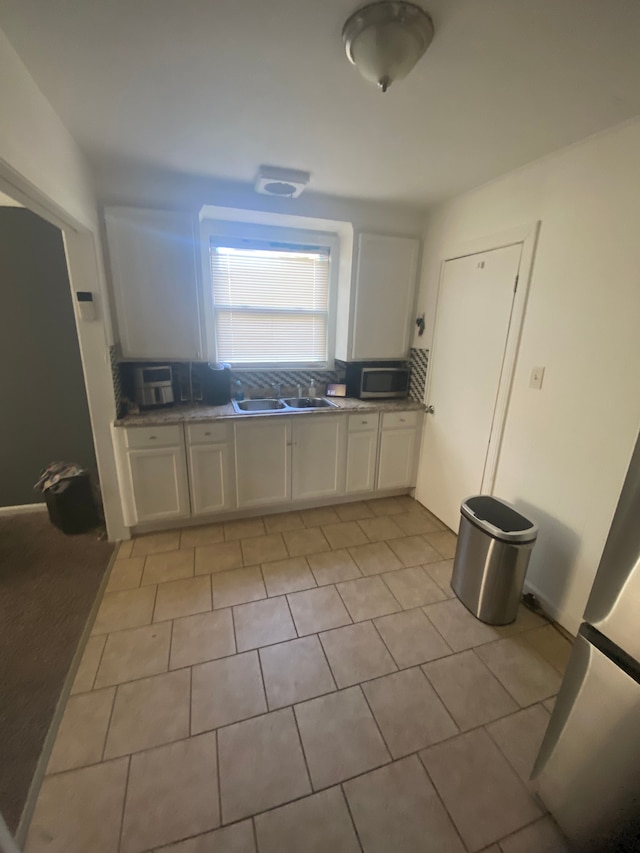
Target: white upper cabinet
x=154, y=262
x=384, y=297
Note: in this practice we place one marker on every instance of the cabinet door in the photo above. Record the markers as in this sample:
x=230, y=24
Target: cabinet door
x=361, y=461
x=159, y=483
x=263, y=451
x=396, y=468
x=211, y=477
x=154, y=269
x=318, y=459
x=384, y=298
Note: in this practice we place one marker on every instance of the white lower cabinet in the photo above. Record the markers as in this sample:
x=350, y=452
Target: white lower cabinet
x=362, y=452
x=398, y=445
x=263, y=453
x=318, y=452
x=159, y=483
x=211, y=467
x=173, y=472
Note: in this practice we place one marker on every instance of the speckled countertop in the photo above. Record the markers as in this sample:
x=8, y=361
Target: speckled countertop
x=194, y=413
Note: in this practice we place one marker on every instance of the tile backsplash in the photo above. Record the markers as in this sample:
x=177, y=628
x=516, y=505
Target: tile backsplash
x=255, y=379
x=260, y=381
x=419, y=362
x=254, y=382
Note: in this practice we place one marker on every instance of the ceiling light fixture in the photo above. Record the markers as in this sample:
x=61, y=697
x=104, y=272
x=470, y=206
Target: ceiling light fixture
x=385, y=40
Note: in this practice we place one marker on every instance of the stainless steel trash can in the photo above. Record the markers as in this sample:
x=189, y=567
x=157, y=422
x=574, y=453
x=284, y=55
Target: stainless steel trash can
x=494, y=545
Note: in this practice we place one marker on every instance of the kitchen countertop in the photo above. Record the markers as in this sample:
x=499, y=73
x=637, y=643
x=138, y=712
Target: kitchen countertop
x=196, y=413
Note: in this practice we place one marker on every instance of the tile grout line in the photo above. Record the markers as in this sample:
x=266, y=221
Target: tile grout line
x=106, y=736
x=376, y=629
x=173, y=622
x=255, y=833
x=302, y=749
x=441, y=800
x=219, y=779
x=353, y=823
x=403, y=609
x=317, y=633
x=324, y=653
x=191, y=702
x=392, y=758
x=301, y=702
x=124, y=803
x=293, y=622
x=95, y=675
x=262, y=680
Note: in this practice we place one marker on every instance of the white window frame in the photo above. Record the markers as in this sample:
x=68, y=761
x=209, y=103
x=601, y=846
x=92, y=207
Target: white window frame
x=216, y=230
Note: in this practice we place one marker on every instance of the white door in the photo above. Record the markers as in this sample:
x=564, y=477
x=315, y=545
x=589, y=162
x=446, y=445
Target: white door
x=318, y=456
x=396, y=468
x=210, y=470
x=472, y=322
x=263, y=453
x=159, y=483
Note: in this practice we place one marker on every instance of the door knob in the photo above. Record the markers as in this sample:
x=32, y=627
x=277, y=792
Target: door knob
x=430, y=410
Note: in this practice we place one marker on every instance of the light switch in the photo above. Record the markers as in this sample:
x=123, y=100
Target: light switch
x=537, y=375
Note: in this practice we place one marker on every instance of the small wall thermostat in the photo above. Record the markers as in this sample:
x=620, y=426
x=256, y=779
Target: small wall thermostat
x=86, y=305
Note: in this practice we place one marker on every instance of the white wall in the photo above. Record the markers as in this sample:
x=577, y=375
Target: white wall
x=566, y=448
x=138, y=185
x=42, y=166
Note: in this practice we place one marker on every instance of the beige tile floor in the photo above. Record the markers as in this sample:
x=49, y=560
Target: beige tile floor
x=302, y=682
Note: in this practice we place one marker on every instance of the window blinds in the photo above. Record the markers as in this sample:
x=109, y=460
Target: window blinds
x=271, y=303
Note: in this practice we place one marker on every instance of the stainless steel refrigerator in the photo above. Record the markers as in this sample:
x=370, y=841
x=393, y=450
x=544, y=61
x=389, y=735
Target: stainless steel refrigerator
x=588, y=767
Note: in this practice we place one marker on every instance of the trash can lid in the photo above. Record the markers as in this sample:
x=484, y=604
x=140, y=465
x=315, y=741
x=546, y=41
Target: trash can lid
x=499, y=519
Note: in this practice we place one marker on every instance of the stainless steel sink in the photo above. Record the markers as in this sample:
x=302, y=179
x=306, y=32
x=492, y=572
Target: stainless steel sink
x=245, y=406
x=257, y=405
x=309, y=403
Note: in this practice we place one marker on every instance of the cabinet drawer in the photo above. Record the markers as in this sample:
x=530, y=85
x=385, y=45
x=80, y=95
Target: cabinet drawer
x=395, y=420
x=164, y=436
x=359, y=423
x=207, y=433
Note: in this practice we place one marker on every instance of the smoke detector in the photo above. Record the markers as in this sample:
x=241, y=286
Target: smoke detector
x=285, y=183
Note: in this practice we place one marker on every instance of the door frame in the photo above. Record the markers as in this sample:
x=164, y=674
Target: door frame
x=85, y=269
x=527, y=235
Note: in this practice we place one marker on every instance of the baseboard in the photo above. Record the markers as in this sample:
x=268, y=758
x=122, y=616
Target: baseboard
x=22, y=509
x=253, y=512
x=551, y=610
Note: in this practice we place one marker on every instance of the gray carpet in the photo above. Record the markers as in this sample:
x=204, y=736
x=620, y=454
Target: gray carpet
x=48, y=584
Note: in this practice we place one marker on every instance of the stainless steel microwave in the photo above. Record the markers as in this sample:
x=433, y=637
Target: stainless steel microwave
x=377, y=381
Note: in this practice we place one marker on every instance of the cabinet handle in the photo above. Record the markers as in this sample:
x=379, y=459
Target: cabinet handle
x=207, y=433
x=152, y=437
x=363, y=422
x=402, y=420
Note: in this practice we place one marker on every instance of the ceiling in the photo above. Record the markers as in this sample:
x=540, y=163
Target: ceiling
x=216, y=88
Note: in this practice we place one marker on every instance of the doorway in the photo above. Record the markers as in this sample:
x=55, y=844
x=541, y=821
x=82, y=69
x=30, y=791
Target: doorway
x=48, y=581
x=479, y=315
x=41, y=380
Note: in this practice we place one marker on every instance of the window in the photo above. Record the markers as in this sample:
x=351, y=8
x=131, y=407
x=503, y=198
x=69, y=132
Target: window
x=270, y=302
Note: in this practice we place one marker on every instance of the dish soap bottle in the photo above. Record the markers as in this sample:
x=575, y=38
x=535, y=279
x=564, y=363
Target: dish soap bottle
x=239, y=393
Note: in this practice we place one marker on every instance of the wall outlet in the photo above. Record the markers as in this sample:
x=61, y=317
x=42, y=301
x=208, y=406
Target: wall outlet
x=535, y=380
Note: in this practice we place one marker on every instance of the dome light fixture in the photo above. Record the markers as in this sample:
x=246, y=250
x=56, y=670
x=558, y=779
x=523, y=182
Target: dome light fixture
x=385, y=40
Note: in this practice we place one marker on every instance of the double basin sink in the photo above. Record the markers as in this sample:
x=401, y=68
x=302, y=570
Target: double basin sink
x=244, y=407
